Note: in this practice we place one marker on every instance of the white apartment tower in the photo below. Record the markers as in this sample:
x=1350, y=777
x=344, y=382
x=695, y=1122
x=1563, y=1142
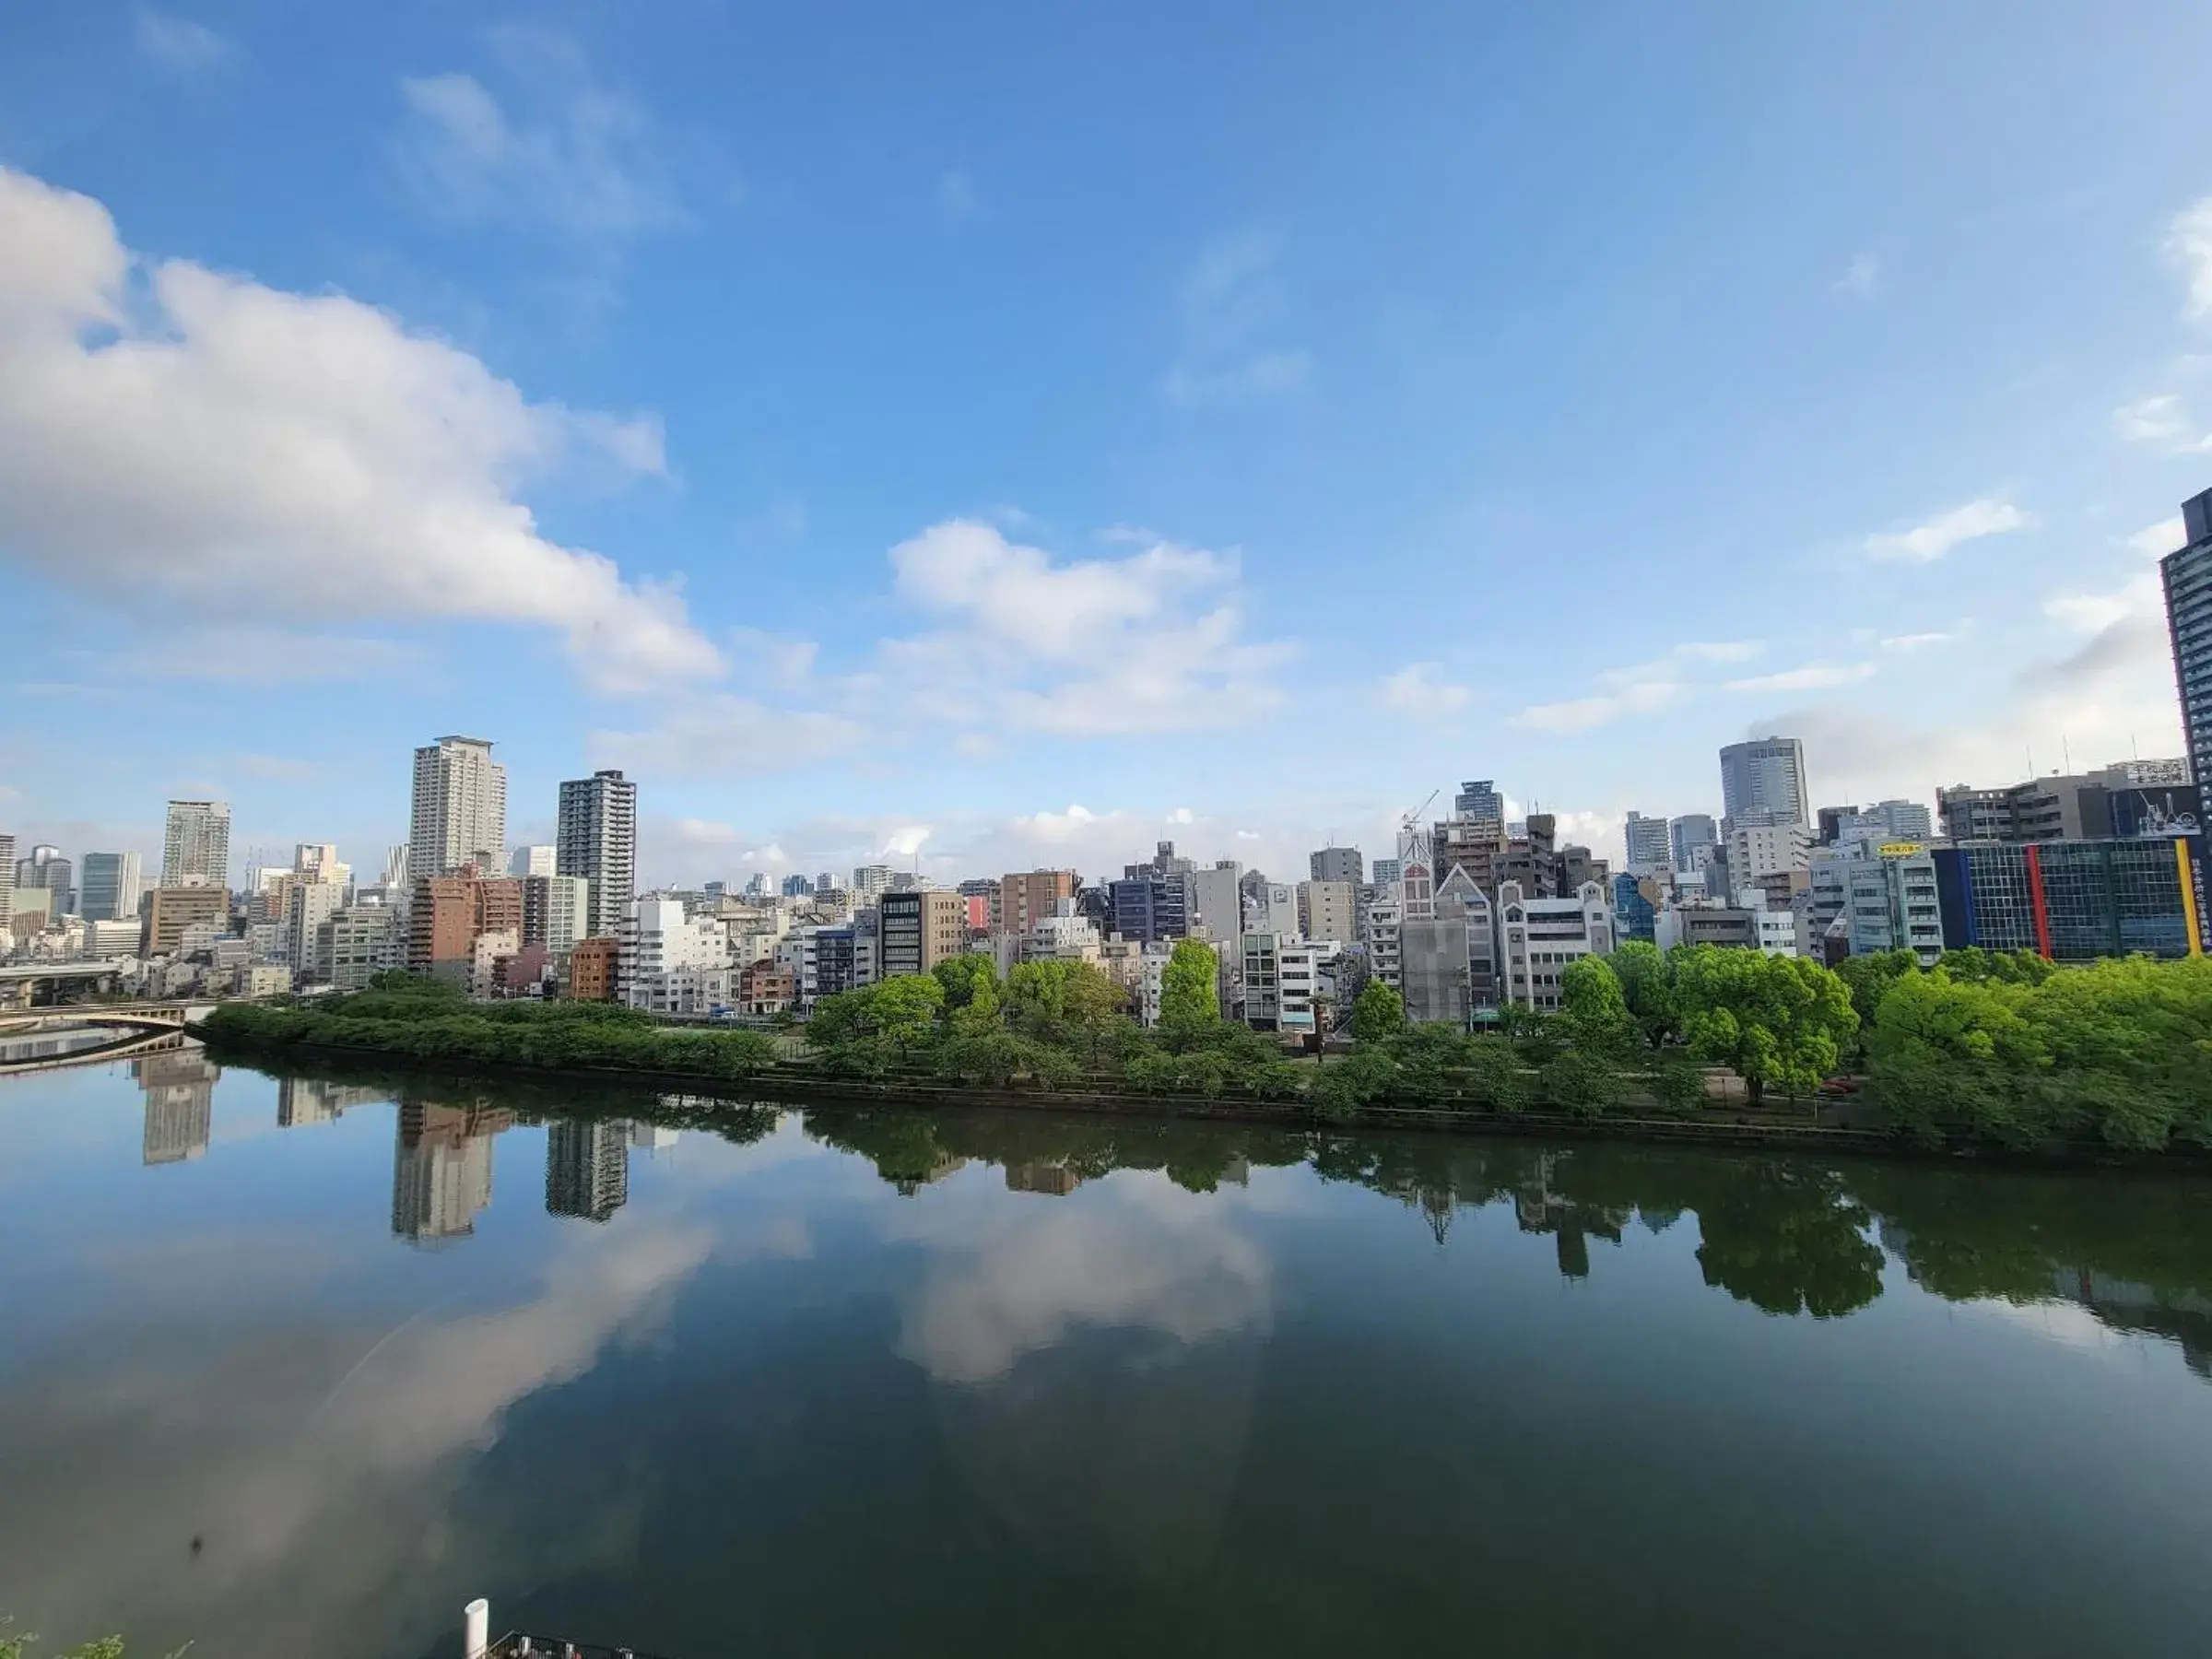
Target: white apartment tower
x=597, y=839
x=195, y=848
x=460, y=812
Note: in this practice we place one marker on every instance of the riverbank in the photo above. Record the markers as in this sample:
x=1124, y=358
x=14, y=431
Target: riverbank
x=786, y=1084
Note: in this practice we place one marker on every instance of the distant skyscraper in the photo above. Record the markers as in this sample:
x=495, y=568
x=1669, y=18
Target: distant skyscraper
x=1766, y=774
x=597, y=839
x=109, y=887
x=797, y=886
x=47, y=868
x=587, y=1168
x=1478, y=802
x=2188, y=577
x=1648, y=847
x=396, y=868
x=869, y=880
x=532, y=861
x=195, y=849
x=826, y=882
x=7, y=870
x=1385, y=872
x=1337, y=863
x=1688, y=833
x=460, y=811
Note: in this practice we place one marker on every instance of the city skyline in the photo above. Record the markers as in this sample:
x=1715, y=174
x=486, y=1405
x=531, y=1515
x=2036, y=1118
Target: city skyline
x=833, y=591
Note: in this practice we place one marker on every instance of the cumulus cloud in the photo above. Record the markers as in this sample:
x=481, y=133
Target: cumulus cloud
x=1915, y=641
x=234, y=451
x=717, y=734
x=2189, y=245
x=1419, y=690
x=1640, y=690
x=2155, y=541
x=1925, y=543
x=584, y=161
x=2158, y=419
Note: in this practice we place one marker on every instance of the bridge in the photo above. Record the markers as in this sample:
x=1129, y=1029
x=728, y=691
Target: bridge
x=40, y=1040
x=44, y=984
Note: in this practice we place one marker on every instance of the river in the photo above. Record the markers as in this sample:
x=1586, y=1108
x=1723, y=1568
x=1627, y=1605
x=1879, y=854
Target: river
x=291, y=1366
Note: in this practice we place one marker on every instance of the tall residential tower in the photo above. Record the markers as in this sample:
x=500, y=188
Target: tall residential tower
x=596, y=838
x=460, y=812
x=2188, y=576
x=195, y=849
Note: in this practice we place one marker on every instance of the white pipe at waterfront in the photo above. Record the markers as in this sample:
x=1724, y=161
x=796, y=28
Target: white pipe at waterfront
x=477, y=1621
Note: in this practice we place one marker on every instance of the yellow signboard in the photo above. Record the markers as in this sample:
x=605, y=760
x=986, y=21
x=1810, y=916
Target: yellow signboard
x=1900, y=849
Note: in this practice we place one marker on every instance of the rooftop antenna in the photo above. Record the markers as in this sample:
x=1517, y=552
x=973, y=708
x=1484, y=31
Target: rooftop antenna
x=2065, y=753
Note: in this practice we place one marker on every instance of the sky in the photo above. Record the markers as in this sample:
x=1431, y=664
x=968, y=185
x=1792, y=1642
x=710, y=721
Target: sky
x=987, y=435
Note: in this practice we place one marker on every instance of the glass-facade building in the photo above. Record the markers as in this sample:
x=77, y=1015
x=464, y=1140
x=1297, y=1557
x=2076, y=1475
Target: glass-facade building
x=2187, y=575
x=2074, y=900
x=1634, y=916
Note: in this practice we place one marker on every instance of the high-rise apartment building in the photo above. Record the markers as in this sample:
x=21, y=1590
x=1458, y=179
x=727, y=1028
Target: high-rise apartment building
x=447, y=914
x=1337, y=863
x=526, y=862
x=1648, y=844
x=175, y=909
x=459, y=809
x=1328, y=910
x=7, y=871
x=2187, y=574
x=1766, y=774
x=1027, y=897
x=597, y=839
x=556, y=913
x=196, y=847
x=871, y=879
x=47, y=868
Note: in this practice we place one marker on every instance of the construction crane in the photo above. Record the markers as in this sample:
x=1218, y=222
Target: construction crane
x=1413, y=816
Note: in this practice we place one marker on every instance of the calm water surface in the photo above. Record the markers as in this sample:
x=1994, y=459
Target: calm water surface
x=291, y=1367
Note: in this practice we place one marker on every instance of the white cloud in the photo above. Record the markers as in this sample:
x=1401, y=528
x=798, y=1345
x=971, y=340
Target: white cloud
x=772, y=856
x=1056, y=826
x=586, y=163
x=905, y=841
x=2141, y=596
x=2158, y=419
x=231, y=450
x=1915, y=641
x=1416, y=690
x=179, y=43
x=1862, y=278
x=715, y=733
x=2189, y=243
x=703, y=833
x=1812, y=676
x=1939, y=535
x=1721, y=651
x=2155, y=541
x=1233, y=310
x=1585, y=713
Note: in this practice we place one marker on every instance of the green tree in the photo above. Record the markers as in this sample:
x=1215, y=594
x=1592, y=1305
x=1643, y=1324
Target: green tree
x=1190, y=1001
x=905, y=1009
x=1594, y=1013
x=1869, y=977
x=1378, y=1012
x=1775, y=1021
x=1647, y=985
x=969, y=979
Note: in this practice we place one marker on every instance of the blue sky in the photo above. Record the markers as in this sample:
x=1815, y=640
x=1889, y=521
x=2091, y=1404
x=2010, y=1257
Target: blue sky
x=986, y=437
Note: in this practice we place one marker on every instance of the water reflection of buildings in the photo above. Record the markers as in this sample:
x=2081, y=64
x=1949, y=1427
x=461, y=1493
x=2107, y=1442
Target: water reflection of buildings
x=1541, y=1210
x=587, y=1169
x=179, y=1103
x=441, y=1168
x=303, y=1100
x=1055, y=1181
x=908, y=1185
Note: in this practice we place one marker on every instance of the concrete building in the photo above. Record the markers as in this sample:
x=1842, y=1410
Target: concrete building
x=108, y=887
x=595, y=970
x=1025, y=898
x=1476, y=845
x=2074, y=902
x=1286, y=980
x=1896, y=820
x=117, y=938
x=1337, y=863
x=47, y=868
x=356, y=943
x=1328, y=909
x=920, y=928
x=2114, y=801
x=2187, y=575
x=1538, y=937
x=1382, y=936
x=446, y=915
x=673, y=962
x=1726, y=925
x=1066, y=935
x=1448, y=958
x=556, y=912
x=1217, y=906
x=459, y=812
x=441, y=1168
x=307, y=906
x=869, y=881
x=1149, y=906
x=1479, y=802
x=172, y=909
x=766, y=987
x=1762, y=844
x=195, y=845
x=596, y=838
x=1893, y=901
x=1648, y=847
x=1765, y=775
x=526, y=862
x=587, y=1166
x=1686, y=834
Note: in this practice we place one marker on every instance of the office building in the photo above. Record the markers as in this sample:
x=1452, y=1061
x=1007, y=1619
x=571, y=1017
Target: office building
x=1687, y=835
x=195, y=845
x=595, y=970
x=447, y=914
x=1479, y=803
x=1476, y=845
x=1635, y=907
x=1891, y=902
x=459, y=812
x=534, y=861
x=1336, y=863
x=1026, y=899
x=7, y=871
x=308, y=905
x=1765, y=775
x=2073, y=902
x=595, y=837
x=920, y=928
x=47, y=868
x=1447, y=958
x=1648, y=847
x=1763, y=844
x=1328, y=910
x=1148, y=907
x=869, y=880
x=673, y=962
x=1539, y=937
x=172, y=909
x=797, y=887
x=1286, y=982
x=587, y=1168
x=556, y=913
x=2187, y=577
x=1217, y=906
x=108, y=887
x=356, y=943
x=1384, y=873
x=2112, y=801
